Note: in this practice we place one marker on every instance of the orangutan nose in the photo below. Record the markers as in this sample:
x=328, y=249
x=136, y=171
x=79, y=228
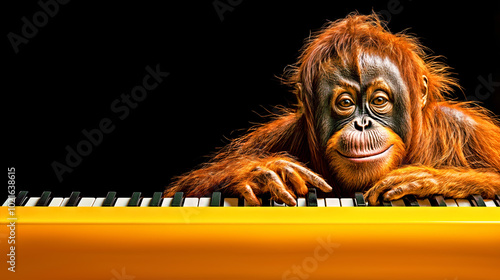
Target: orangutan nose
x=363, y=124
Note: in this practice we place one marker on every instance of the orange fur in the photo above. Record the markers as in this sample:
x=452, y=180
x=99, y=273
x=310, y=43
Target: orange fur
x=448, y=142
x=358, y=177
x=425, y=181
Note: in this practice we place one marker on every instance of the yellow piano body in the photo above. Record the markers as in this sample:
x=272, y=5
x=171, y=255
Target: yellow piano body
x=254, y=243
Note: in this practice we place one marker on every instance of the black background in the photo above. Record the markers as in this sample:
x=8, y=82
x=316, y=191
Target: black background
x=223, y=75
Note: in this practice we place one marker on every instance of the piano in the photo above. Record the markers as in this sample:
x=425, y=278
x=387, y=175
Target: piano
x=216, y=237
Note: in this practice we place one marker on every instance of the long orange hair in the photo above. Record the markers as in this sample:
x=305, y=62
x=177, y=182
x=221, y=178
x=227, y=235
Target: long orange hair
x=442, y=132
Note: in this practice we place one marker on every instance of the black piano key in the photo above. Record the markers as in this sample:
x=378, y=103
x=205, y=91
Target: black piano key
x=410, y=200
x=266, y=200
x=21, y=198
x=497, y=199
x=44, y=199
x=156, y=200
x=134, y=200
x=178, y=199
x=477, y=200
x=437, y=200
x=241, y=201
x=73, y=199
x=386, y=203
x=109, y=200
x=359, y=199
x=312, y=198
x=216, y=200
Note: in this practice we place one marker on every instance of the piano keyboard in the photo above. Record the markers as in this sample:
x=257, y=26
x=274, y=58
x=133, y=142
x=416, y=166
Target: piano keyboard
x=150, y=237
x=178, y=200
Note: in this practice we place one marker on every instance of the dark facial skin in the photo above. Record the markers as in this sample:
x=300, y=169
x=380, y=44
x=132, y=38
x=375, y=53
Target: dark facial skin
x=364, y=95
x=363, y=119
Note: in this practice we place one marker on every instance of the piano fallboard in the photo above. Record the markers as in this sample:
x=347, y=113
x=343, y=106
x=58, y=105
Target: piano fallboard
x=254, y=242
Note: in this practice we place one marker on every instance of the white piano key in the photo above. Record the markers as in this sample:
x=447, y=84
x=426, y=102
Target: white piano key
x=276, y=204
x=450, y=202
x=321, y=202
x=463, y=202
x=145, y=201
x=122, y=201
x=64, y=201
x=166, y=202
x=56, y=202
x=32, y=201
x=347, y=202
x=86, y=202
x=246, y=202
x=204, y=202
x=489, y=203
x=424, y=202
x=398, y=203
x=191, y=202
x=7, y=201
x=332, y=202
x=230, y=202
x=301, y=202
x=98, y=202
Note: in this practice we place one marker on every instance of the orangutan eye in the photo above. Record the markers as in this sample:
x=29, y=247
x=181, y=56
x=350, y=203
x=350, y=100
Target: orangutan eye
x=345, y=101
x=379, y=101
x=380, y=98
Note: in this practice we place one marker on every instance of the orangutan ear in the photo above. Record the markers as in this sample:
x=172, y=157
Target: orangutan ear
x=426, y=90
